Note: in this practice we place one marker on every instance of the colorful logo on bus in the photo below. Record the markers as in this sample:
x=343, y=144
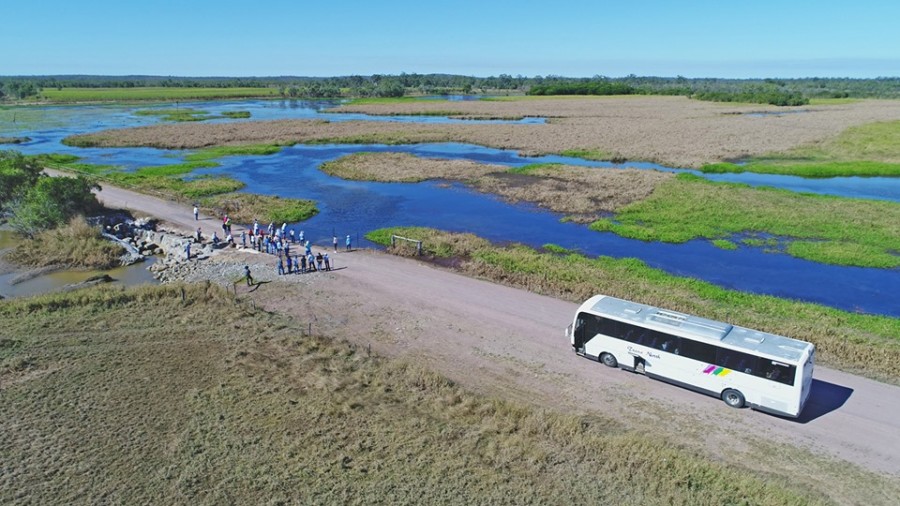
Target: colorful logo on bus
x=716, y=370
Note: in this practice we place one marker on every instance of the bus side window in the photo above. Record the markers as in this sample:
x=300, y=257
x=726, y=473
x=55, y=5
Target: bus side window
x=737, y=361
x=774, y=371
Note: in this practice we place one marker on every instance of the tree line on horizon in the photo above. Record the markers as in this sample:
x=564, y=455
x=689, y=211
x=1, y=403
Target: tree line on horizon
x=775, y=91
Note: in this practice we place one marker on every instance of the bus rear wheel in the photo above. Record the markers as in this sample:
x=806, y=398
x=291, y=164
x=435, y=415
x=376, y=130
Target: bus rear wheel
x=608, y=360
x=733, y=398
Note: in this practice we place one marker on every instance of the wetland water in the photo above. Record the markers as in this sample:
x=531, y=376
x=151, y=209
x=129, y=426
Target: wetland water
x=11, y=286
x=353, y=207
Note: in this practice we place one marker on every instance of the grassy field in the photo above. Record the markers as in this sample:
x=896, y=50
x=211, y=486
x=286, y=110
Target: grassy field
x=203, y=400
x=820, y=228
x=152, y=93
x=868, y=151
x=862, y=344
x=246, y=207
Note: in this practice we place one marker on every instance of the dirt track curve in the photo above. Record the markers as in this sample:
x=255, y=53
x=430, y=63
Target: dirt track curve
x=510, y=343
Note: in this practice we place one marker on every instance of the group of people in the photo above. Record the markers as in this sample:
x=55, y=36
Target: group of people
x=280, y=242
x=276, y=241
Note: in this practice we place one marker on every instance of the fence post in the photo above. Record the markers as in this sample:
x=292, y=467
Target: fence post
x=182, y=294
x=393, y=240
x=418, y=248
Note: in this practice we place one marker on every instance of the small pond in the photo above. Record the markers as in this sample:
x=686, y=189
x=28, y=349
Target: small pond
x=136, y=274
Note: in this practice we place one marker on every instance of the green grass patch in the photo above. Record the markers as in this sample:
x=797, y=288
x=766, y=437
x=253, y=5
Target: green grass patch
x=236, y=114
x=245, y=207
x=832, y=101
x=810, y=169
x=190, y=114
x=858, y=343
x=534, y=167
x=152, y=93
x=589, y=154
x=177, y=169
x=247, y=411
x=175, y=114
x=688, y=207
x=871, y=150
x=243, y=150
x=385, y=100
x=724, y=244
x=71, y=163
x=202, y=186
x=557, y=249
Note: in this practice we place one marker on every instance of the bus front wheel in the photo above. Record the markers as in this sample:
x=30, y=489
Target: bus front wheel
x=733, y=398
x=608, y=360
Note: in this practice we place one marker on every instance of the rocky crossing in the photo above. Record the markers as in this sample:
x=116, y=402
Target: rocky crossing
x=222, y=264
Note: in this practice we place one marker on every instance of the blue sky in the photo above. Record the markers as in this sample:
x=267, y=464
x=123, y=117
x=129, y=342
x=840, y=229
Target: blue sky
x=480, y=38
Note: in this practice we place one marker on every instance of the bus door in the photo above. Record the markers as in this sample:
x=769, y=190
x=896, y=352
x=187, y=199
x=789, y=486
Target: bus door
x=586, y=327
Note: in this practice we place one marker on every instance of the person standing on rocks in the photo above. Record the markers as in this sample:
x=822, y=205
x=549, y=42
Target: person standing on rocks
x=243, y=238
x=290, y=264
x=187, y=249
x=248, y=276
x=199, y=235
x=196, y=212
x=280, y=268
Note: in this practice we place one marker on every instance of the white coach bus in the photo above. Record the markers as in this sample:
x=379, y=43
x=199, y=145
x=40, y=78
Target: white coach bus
x=740, y=366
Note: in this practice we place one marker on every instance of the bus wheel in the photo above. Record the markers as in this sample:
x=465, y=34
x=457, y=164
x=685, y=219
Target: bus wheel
x=733, y=398
x=608, y=360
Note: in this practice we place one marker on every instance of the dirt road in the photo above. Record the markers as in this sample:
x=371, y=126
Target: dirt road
x=510, y=343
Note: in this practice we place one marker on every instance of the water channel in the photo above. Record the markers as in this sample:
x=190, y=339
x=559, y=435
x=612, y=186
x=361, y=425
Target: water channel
x=352, y=207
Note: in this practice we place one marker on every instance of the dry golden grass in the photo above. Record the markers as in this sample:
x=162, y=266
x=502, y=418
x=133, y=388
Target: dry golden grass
x=673, y=131
x=76, y=245
x=579, y=192
x=404, y=167
x=206, y=401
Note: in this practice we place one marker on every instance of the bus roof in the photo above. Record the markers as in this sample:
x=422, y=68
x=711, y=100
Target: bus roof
x=685, y=325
